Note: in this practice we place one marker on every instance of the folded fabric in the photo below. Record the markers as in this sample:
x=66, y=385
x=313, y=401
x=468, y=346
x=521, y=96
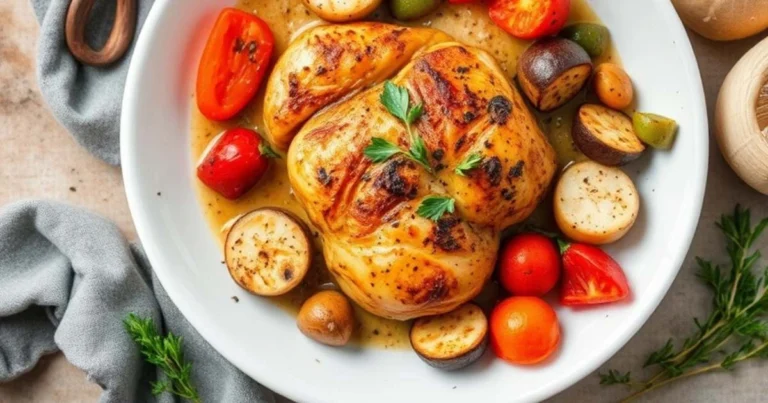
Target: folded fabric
x=86, y=100
x=68, y=278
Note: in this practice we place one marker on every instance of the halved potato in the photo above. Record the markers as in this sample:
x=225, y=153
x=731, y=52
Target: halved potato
x=342, y=10
x=552, y=71
x=452, y=340
x=268, y=251
x=595, y=204
x=606, y=135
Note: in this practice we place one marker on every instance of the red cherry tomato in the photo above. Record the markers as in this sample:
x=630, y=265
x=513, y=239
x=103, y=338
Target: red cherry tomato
x=524, y=330
x=530, y=19
x=529, y=265
x=233, y=64
x=462, y=1
x=234, y=163
x=590, y=276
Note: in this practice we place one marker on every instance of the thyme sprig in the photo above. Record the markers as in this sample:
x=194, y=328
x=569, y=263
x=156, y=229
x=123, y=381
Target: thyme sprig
x=166, y=354
x=736, y=329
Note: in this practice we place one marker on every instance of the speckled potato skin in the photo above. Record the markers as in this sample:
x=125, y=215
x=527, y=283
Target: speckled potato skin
x=597, y=150
x=330, y=61
x=385, y=257
x=342, y=10
x=546, y=68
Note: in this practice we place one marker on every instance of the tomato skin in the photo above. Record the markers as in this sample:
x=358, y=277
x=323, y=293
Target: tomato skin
x=529, y=265
x=234, y=164
x=530, y=19
x=591, y=276
x=524, y=330
x=233, y=64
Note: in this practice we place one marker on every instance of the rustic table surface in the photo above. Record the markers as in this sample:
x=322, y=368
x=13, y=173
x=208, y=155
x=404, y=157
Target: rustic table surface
x=39, y=160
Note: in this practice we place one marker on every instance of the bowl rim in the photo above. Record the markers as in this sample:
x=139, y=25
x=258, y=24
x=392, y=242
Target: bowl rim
x=282, y=385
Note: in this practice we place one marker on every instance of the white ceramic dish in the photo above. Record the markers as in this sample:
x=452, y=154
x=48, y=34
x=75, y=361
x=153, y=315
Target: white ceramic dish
x=263, y=341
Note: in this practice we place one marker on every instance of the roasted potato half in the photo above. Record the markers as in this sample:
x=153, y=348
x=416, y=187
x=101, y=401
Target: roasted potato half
x=606, y=135
x=268, y=251
x=342, y=10
x=552, y=71
x=452, y=340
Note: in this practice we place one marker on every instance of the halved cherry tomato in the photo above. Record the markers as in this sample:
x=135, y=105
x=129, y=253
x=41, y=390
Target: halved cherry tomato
x=235, y=162
x=524, y=330
x=590, y=276
x=233, y=64
x=530, y=19
x=529, y=265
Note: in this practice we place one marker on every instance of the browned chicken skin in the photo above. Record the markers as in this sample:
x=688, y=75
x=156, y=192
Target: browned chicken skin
x=384, y=256
x=330, y=61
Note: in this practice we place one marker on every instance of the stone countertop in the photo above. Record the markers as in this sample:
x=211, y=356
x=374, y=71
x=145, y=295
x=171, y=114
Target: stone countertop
x=41, y=161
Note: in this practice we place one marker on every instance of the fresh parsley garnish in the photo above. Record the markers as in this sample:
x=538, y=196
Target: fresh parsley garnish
x=736, y=329
x=397, y=101
x=381, y=150
x=471, y=162
x=166, y=354
x=267, y=151
x=433, y=207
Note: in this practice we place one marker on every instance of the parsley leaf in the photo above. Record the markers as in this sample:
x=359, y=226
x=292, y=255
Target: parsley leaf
x=396, y=100
x=414, y=114
x=433, y=207
x=471, y=162
x=418, y=152
x=267, y=151
x=381, y=150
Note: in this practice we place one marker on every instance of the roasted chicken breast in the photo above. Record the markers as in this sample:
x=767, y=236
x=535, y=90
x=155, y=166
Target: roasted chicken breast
x=330, y=61
x=384, y=256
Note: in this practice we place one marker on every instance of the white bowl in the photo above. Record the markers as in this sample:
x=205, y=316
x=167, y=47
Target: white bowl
x=263, y=341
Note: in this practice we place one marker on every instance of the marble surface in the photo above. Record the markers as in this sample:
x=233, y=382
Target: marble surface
x=41, y=161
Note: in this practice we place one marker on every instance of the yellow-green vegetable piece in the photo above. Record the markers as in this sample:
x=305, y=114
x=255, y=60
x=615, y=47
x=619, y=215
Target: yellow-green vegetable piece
x=411, y=9
x=655, y=130
x=594, y=38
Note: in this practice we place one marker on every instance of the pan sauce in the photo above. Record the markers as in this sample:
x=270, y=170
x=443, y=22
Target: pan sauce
x=468, y=23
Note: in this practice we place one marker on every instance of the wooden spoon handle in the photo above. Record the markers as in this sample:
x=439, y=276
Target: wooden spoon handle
x=119, y=39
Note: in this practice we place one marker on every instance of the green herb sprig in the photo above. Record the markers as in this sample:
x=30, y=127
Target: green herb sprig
x=397, y=101
x=433, y=207
x=166, y=354
x=736, y=329
x=471, y=162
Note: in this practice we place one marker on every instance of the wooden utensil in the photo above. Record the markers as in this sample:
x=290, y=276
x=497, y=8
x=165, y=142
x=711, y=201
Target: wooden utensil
x=119, y=38
x=741, y=118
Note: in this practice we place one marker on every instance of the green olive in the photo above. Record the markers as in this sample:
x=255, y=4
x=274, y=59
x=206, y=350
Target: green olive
x=592, y=37
x=412, y=9
x=654, y=130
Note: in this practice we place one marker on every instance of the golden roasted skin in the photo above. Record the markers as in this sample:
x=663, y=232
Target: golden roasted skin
x=330, y=61
x=384, y=256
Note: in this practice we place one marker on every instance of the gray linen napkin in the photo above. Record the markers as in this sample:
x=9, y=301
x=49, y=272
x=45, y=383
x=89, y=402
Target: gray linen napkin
x=86, y=100
x=68, y=278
